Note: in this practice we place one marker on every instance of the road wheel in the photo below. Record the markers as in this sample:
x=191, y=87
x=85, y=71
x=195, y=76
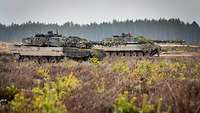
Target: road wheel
x=34, y=59
x=43, y=60
x=53, y=60
x=25, y=59
x=140, y=54
x=134, y=54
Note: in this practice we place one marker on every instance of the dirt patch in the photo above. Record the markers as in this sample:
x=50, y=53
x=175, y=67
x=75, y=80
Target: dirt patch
x=4, y=47
x=180, y=54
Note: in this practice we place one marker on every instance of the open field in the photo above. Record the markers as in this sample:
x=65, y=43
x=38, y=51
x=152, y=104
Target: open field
x=114, y=85
x=166, y=84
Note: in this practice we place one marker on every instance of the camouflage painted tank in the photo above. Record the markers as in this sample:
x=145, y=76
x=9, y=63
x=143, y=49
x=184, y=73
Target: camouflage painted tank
x=55, y=40
x=54, y=47
x=127, y=45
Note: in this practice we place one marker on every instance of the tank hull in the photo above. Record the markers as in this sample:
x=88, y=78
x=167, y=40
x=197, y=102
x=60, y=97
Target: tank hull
x=129, y=50
x=53, y=54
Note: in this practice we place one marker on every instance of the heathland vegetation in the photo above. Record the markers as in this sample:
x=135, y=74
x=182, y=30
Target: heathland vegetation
x=114, y=85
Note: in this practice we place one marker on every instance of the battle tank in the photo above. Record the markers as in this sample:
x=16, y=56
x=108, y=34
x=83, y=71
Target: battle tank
x=128, y=45
x=52, y=47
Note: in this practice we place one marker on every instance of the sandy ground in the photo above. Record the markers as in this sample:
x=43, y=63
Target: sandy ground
x=178, y=45
x=4, y=47
x=183, y=54
x=179, y=53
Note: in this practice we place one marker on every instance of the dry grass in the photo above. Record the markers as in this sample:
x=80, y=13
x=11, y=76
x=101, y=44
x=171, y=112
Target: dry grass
x=100, y=85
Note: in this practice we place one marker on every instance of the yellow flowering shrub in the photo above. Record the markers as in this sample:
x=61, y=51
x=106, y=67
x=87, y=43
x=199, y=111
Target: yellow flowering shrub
x=196, y=70
x=47, y=99
x=120, y=66
x=19, y=103
x=125, y=105
x=43, y=72
x=155, y=71
x=94, y=60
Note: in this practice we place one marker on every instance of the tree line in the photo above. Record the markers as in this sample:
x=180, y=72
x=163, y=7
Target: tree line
x=162, y=29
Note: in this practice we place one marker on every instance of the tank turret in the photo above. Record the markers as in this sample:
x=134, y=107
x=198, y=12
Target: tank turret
x=41, y=40
x=55, y=40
